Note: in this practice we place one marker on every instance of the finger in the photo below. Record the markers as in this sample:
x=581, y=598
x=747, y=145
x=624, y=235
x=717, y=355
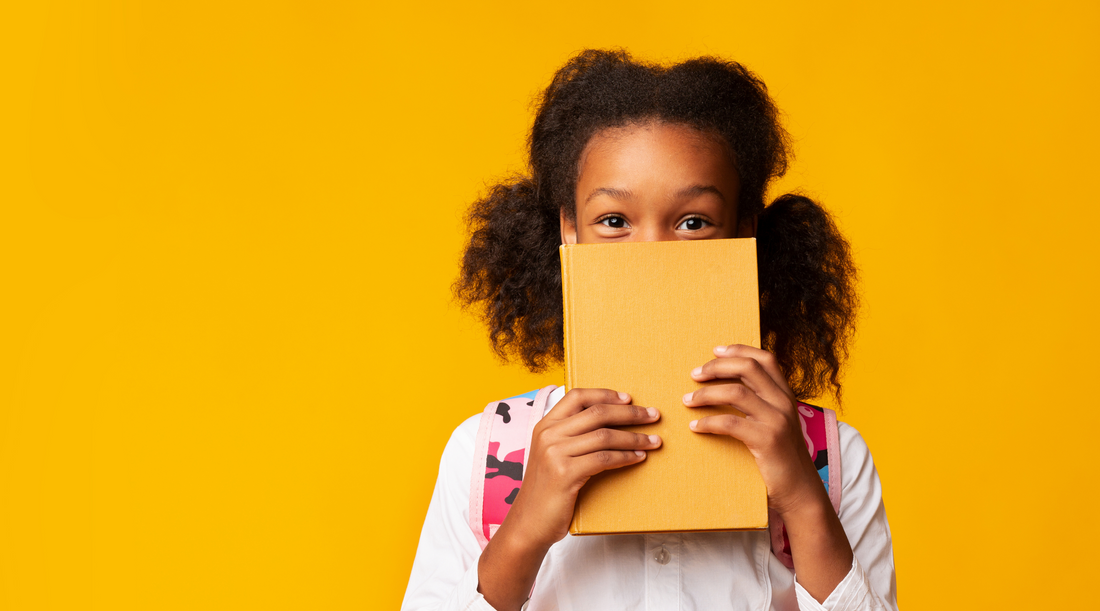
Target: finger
x=766, y=359
x=603, y=415
x=748, y=371
x=730, y=425
x=596, y=462
x=610, y=439
x=576, y=400
x=737, y=395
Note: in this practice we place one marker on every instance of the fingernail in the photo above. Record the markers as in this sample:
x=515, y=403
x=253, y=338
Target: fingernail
x=652, y=411
x=698, y=371
x=719, y=349
x=687, y=397
x=654, y=440
x=624, y=396
x=639, y=453
x=693, y=424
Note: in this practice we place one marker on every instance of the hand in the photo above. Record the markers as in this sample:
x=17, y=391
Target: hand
x=770, y=429
x=571, y=444
x=568, y=446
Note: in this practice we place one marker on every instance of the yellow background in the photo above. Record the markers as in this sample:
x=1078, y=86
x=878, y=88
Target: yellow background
x=229, y=362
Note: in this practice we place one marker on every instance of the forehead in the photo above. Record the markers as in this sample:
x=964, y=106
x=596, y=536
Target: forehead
x=654, y=146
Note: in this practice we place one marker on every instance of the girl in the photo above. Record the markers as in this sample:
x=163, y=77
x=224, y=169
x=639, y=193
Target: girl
x=626, y=151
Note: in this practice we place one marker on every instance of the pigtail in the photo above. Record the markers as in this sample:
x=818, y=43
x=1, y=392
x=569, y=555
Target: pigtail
x=807, y=293
x=511, y=273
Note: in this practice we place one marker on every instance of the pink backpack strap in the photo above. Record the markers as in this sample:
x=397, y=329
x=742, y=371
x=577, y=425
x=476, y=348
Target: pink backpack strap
x=819, y=429
x=500, y=452
x=832, y=435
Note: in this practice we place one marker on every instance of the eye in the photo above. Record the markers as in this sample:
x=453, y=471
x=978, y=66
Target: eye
x=694, y=223
x=613, y=221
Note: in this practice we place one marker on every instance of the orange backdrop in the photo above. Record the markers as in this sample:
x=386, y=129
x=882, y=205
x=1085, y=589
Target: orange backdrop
x=228, y=356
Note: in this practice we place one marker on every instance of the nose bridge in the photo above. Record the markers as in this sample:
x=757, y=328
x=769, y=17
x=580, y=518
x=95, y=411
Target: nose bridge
x=652, y=231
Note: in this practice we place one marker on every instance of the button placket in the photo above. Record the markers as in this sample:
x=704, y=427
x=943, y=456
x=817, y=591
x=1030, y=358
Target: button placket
x=662, y=571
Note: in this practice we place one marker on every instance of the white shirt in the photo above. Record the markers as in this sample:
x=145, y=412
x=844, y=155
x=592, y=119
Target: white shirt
x=706, y=571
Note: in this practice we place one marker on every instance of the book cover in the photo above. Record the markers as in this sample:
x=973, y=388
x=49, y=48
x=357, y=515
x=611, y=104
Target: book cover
x=638, y=318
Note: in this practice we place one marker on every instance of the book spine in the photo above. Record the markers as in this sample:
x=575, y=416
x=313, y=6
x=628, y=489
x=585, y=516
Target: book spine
x=754, y=288
x=566, y=257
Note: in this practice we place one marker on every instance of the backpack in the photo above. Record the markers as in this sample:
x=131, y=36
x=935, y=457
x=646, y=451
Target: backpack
x=500, y=452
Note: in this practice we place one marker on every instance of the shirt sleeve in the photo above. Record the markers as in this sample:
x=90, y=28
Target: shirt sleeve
x=444, y=572
x=871, y=583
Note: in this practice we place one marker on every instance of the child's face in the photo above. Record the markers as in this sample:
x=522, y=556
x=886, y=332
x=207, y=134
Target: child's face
x=655, y=182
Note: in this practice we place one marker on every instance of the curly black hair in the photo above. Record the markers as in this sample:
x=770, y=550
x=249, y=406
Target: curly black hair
x=511, y=271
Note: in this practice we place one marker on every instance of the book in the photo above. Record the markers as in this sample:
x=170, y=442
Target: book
x=638, y=318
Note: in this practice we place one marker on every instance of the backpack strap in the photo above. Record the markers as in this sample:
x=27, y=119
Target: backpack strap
x=503, y=437
x=819, y=429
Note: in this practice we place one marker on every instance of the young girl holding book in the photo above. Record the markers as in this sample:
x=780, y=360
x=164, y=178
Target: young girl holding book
x=626, y=151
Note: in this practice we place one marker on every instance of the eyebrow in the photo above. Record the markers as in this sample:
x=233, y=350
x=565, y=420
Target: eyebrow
x=699, y=190
x=610, y=191
x=622, y=194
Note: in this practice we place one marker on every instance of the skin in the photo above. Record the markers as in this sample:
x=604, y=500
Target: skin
x=655, y=182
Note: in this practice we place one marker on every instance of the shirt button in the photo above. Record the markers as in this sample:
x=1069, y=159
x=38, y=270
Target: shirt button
x=662, y=556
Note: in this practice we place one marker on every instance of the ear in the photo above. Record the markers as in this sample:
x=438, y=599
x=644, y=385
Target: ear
x=746, y=226
x=568, y=229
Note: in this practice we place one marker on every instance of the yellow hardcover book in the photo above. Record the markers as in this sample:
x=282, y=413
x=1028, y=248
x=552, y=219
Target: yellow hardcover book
x=638, y=318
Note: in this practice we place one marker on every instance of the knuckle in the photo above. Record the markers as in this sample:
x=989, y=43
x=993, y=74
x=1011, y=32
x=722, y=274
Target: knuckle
x=604, y=458
x=598, y=411
x=603, y=436
x=728, y=367
x=560, y=469
x=597, y=395
x=773, y=436
x=727, y=422
x=540, y=437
